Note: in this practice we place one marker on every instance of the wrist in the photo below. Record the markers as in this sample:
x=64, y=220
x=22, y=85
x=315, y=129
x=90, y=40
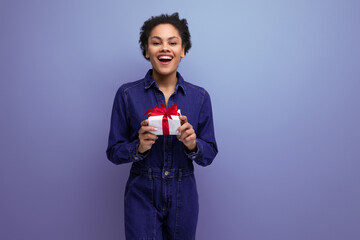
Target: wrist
x=192, y=147
x=141, y=149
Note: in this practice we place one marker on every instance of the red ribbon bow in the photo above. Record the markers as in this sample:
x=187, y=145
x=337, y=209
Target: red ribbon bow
x=157, y=111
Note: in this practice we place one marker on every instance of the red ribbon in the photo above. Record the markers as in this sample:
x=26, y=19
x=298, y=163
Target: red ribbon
x=157, y=111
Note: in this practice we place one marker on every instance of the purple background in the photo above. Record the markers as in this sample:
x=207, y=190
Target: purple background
x=284, y=77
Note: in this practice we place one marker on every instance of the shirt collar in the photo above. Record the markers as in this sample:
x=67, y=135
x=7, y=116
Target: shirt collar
x=149, y=81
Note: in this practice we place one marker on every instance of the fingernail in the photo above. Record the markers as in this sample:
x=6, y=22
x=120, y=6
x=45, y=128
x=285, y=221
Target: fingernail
x=155, y=129
x=177, y=131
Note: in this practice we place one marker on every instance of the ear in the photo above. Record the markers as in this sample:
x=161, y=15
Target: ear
x=146, y=54
x=182, y=55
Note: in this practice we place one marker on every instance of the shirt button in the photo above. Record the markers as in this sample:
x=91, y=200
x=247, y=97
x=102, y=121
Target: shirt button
x=166, y=173
x=193, y=157
x=135, y=157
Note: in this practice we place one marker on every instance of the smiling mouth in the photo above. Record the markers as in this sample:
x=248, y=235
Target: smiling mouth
x=165, y=59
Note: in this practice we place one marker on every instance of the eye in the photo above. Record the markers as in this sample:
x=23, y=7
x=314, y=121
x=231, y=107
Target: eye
x=155, y=43
x=173, y=43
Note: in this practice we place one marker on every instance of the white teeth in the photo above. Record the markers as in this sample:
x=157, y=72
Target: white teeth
x=165, y=57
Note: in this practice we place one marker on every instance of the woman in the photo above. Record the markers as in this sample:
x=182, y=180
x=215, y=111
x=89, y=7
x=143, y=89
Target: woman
x=161, y=200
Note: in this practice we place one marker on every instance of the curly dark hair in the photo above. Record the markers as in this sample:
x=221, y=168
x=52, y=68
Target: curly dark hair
x=180, y=24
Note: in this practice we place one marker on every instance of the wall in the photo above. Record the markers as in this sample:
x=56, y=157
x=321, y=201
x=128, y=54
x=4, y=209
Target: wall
x=284, y=79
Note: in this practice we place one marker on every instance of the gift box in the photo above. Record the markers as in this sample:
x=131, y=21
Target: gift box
x=166, y=121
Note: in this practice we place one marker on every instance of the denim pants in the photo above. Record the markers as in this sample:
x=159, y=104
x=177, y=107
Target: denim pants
x=161, y=204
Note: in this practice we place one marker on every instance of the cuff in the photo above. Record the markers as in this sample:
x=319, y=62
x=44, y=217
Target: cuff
x=193, y=155
x=135, y=156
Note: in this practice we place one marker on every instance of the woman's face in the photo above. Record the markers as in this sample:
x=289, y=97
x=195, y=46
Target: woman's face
x=165, y=49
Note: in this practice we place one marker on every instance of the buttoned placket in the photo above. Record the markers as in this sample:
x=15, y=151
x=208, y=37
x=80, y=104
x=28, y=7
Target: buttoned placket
x=167, y=140
x=167, y=143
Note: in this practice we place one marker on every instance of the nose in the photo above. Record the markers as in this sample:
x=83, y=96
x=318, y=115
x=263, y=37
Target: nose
x=165, y=48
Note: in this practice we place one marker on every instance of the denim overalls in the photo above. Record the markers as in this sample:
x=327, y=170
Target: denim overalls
x=161, y=200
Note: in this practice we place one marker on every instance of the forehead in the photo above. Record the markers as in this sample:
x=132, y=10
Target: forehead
x=165, y=31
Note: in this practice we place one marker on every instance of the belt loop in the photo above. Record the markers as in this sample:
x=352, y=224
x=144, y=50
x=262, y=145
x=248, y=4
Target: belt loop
x=150, y=174
x=180, y=175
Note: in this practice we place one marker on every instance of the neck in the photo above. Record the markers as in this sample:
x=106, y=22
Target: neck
x=165, y=81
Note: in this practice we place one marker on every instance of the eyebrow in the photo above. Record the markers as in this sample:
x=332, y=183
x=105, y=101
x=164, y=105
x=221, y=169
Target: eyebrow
x=170, y=38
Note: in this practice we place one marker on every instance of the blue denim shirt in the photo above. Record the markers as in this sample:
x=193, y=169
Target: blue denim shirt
x=131, y=102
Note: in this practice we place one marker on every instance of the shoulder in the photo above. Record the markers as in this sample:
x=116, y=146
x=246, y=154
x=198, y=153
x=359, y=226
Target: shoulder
x=129, y=87
x=132, y=85
x=193, y=87
x=196, y=90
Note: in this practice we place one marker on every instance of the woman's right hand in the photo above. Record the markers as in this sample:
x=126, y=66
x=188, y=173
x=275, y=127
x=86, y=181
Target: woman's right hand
x=146, y=138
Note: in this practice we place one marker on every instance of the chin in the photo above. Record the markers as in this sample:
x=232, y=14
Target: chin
x=164, y=72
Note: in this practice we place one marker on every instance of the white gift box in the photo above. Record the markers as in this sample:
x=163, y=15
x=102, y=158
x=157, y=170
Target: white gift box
x=157, y=121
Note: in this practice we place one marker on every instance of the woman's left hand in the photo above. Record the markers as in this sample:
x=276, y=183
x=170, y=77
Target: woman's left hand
x=187, y=134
